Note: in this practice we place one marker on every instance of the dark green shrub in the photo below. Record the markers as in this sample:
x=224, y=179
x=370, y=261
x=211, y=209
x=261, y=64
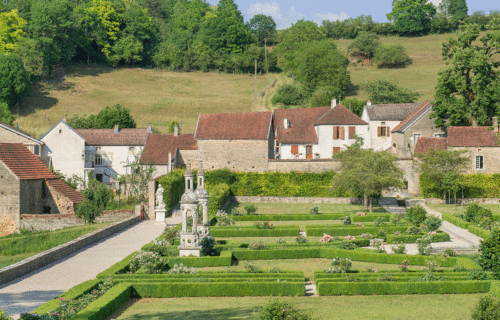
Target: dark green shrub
x=478, y=275
x=415, y=215
x=207, y=246
x=88, y=210
x=301, y=239
x=385, y=91
x=174, y=186
x=322, y=96
x=279, y=309
x=391, y=56
x=346, y=220
x=314, y=210
x=289, y=95
x=432, y=223
x=250, y=209
x=170, y=234
x=488, y=308
x=218, y=195
x=490, y=253
x=364, y=45
x=475, y=213
x=225, y=175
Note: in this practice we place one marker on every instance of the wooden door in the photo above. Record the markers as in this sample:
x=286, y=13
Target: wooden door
x=309, y=152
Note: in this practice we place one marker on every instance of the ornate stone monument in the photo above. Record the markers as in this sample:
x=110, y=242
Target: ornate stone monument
x=203, y=200
x=160, y=206
x=190, y=240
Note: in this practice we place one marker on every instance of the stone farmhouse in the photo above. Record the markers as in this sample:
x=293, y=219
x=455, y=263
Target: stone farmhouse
x=105, y=152
x=27, y=186
x=482, y=144
x=316, y=133
x=10, y=134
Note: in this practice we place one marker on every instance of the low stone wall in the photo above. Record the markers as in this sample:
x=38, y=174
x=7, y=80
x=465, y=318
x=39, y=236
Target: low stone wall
x=314, y=200
x=42, y=259
x=466, y=200
x=40, y=222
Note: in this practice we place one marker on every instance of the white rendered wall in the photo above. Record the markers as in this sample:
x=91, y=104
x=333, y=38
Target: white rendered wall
x=286, y=151
x=119, y=156
x=377, y=142
x=67, y=150
x=327, y=143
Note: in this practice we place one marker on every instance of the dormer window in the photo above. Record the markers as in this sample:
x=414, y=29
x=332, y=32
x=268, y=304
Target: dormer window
x=286, y=123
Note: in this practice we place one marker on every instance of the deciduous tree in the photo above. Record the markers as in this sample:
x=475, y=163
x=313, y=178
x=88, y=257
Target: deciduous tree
x=411, y=16
x=385, y=91
x=263, y=27
x=11, y=30
x=13, y=79
x=5, y=115
x=364, y=45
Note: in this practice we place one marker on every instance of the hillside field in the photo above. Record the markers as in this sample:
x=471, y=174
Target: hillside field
x=158, y=96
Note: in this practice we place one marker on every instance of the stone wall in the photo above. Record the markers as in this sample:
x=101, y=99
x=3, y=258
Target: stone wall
x=31, y=196
x=313, y=200
x=194, y=157
x=42, y=259
x=9, y=200
x=491, y=159
x=466, y=201
x=410, y=175
x=58, y=202
x=38, y=222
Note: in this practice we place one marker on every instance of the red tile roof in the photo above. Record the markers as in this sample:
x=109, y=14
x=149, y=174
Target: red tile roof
x=339, y=115
x=425, y=144
x=415, y=115
x=237, y=126
x=65, y=189
x=391, y=112
x=24, y=164
x=107, y=137
x=159, y=145
x=472, y=137
x=301, y=129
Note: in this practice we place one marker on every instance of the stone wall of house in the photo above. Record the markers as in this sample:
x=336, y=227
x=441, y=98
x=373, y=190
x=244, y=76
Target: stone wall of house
x=39, y=222
x=313, y=200
x=491, y=159
x=302, y=165
x=9, y=200
x=193, y=157
x=32, y=196
x=58, y=202
x=237, y=155
x=410, y=175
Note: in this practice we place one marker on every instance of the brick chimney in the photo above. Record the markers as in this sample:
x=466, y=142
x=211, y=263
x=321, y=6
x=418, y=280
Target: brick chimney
x=150, y=129
x=117, y=129
x=369, y=103
x=334, y=103
x=176, y=130
x=495, y=124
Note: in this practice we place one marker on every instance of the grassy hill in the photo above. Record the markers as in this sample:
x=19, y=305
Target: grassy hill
x=158, y=97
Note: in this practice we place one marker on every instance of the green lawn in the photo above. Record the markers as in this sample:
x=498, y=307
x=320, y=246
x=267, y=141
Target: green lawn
x=302, y=208
x=408, y=307
x=457, y=209
x=16, y=247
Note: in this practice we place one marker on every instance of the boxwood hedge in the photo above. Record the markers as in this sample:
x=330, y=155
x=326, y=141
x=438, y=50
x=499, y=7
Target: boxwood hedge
x=480, y=232
x=107, y=304
x=318, y=231
x=412, y=238
x=224, y=259
x=281, y=231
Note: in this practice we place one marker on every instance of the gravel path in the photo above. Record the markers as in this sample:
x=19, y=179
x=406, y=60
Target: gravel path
x=29, y=292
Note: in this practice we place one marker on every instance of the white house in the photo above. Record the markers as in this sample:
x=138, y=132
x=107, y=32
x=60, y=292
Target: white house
x=382, y=119
x=316, y=133
x=106, y=152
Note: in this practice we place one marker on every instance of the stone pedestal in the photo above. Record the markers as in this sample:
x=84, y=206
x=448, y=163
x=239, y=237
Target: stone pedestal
x=204, y=231
x=160, y=215
x=186, y=252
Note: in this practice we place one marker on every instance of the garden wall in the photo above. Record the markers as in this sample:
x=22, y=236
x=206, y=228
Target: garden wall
x=42, y=259
x=317, y=200
x=39, y=222
x=466, y=200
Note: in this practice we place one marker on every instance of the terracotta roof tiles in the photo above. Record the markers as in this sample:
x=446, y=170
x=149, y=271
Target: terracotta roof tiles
x=24, y=164
x=391, y=112
x=472, y=137
x=425, y=144
x=65, y=189
x=339, y=115
x=301, y=129
x=158, y=147
x=107, y=137
x=237, y=126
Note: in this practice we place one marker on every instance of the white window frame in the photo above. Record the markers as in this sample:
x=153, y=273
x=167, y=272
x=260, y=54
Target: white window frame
x=416, y=136
x=477, y=161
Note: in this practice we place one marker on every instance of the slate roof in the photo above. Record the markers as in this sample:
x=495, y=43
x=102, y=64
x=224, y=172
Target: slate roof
x=391, y=112
x=19, y=132
x=65, y=189
x=24, y=164
x=425, y=144
x=159, y=145
x=414, y=116
x=339, y=115
x=107, y=137
x=472, y=137
x=237, y=126
x=301, y=129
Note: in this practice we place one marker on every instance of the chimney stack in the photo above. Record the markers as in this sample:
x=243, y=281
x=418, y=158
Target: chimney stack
x=117, y=129
x=176, y=130
x=334, y=103
x=495, y=124
x=474, y=122
x=369, y=103
x=150, y=129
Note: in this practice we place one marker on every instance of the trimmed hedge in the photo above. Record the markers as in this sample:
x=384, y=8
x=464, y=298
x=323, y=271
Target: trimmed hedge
x=371, y=288
x=218, y=195
x=370, y=217
x=119, y=267
x=298, y=253
x=174, y=186
x=495, y=288
x=318, y=231
x=209, y=275
x=478, y=231
x=281, y=231
x=226, y=289
x=224, y=259
x=306, y=217
x=73, y=293
x=412, y=238
x=107, y=304
x=474, y=186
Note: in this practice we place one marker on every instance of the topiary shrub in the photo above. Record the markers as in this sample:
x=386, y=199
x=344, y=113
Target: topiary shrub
x=250, y=209
x=391, y=56
x=207, y=246
x=289, y=95
x=432, y=223
x=279, y=309
x=490, y=253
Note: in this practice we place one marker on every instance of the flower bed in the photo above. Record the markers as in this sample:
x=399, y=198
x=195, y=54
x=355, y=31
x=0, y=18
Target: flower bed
x=370, y=217
x=318, y=231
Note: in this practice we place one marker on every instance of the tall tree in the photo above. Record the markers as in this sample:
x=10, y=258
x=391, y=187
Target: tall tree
x=263, y=27
x=13, y=79
x=5, y=115
x=366, y=171
x=469, y=87
x=411, y=16
x=385, y=91
x=11, y=30
x=453, y=9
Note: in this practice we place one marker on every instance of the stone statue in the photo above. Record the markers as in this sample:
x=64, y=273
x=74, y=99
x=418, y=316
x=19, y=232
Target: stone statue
x=159, y=197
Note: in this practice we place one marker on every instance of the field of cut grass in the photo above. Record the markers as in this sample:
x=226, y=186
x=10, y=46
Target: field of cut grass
x=408, y=307
x=153, y=96
x=458, y=209
x=302, y=208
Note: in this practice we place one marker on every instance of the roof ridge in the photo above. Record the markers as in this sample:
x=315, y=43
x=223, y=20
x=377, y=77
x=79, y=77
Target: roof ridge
x=414, y=113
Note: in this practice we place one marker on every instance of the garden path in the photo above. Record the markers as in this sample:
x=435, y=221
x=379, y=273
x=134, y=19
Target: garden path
x=29, y=292
x=460, y=239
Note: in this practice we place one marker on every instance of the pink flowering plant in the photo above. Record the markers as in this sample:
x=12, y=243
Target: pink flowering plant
x=361, y=214
x=431, y=233
x=263, y=225
x=359, y=225
x=404, y=265
x=326, y=238
x=349, y=237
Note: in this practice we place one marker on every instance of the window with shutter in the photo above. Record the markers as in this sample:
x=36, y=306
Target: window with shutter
x=341, y=133
x=352, y=132
x=295, y=149
x=379, y=131
x=388, y=131
x=335, y=132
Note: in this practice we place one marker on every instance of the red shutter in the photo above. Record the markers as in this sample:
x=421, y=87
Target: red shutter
x=336, y=149
x=379, y=131
x=388, y=131
x=341, y=133
x=352, y=132
x=335, y=132
x=295, y=150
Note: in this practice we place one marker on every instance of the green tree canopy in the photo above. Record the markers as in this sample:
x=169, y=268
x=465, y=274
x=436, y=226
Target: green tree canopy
x=366, y=171
x=411, y=16
x=469, y=86
x=14, y=79
x=364, y=45
x=490, y=253
x=263, y=27
x=11, y=30
x=385, y=91
x=105, y=119
x=5, y=115
x=453, y=9
x=391, y=56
